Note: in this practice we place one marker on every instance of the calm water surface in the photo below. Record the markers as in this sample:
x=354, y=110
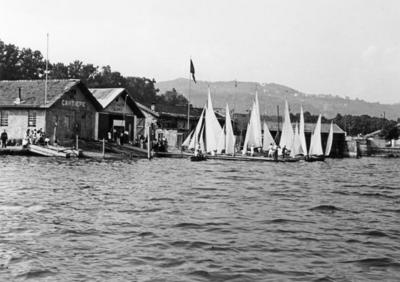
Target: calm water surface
x=174, y=220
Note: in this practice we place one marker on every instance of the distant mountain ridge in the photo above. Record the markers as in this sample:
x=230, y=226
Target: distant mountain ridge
x=271, y=95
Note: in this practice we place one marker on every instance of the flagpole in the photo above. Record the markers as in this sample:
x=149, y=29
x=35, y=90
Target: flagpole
x=47, y=65
x=277, y=132
x=188, y=110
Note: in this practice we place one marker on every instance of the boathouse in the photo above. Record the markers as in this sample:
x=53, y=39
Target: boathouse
x=62, y=108
x=339, y=135
x=119, y=113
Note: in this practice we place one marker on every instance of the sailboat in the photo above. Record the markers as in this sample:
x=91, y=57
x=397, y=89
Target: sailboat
x=210, y=137
x=199, y=148
x=195, y=135
x=267, y=138
x=229, y=136
x=296, y=147
x=253, y=134
x=186, y=143
x=315, y=152
x=302, y=134
x=213, y=131
x=287, y=130
x=329, y=141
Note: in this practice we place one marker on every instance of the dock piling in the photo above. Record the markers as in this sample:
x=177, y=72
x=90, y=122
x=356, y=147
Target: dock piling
x=104, y=148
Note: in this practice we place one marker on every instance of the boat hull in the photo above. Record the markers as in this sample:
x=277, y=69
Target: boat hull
x=198, y=158
x=250, y=159
x=315, y=158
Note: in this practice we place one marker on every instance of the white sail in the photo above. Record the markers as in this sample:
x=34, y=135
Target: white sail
x=316, y=146
x=229, y=136
x=268, y=139
x=254, y=128
x=287, y=130
x=221, y=141
x=301, y=133
x=201, y=141
x=186, y=143
x=213, y=128
x=196, y=131
x=329, y=142
x=296, y=148
x=257, y=121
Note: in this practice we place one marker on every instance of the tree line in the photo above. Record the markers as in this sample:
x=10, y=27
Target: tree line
x=25, y=63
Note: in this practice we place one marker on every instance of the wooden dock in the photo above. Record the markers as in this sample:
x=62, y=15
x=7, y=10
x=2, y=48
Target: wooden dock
x=14, y=150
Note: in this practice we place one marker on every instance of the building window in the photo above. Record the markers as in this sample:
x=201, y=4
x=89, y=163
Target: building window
x=3, y=118
x=31, y=119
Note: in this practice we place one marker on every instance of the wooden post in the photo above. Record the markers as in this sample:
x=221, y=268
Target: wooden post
x=148, y=143
x=104, y=148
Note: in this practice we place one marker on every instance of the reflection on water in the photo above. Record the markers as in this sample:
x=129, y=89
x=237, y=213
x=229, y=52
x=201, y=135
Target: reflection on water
x=174, y=220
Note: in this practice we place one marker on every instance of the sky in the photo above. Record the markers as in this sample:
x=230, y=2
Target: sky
x=339, y=47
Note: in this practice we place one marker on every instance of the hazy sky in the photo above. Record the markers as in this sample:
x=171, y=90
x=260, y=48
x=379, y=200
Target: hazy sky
x=348, y=47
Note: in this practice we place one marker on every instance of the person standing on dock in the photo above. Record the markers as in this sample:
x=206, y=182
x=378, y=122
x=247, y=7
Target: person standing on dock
x=4, y=138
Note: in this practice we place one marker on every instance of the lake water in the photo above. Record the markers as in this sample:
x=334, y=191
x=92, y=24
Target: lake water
x=174, y=220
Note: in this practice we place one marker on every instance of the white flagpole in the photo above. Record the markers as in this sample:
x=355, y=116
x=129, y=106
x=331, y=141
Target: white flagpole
x=188, y=110
x=47, y=71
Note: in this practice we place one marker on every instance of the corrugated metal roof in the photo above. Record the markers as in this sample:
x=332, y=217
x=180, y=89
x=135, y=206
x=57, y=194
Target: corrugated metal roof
x=106, y=95
x=308, y=127
x=33, y=92
x=147, y=109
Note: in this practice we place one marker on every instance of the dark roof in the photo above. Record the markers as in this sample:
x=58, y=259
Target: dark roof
x=373, y=134
x=147, y=110
x=33, y=92
x=308, y=127
x=106, y=95
x=181, y=111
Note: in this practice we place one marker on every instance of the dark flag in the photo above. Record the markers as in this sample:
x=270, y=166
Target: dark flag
x=192, y=70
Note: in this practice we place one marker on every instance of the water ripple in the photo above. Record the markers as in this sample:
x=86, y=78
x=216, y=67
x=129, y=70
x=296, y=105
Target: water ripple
x=174, y=220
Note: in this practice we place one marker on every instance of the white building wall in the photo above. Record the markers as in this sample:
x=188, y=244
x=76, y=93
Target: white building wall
x=18, y=122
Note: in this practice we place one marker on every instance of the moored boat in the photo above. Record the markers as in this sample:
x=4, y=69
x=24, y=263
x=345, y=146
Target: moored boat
x=198, y=158
x=315, y=152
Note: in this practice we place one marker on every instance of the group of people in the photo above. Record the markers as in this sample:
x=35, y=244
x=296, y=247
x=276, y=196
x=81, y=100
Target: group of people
x=120, y=137
x=161, y=145
x=275, y=150
x=35, y=137
x=32, y=136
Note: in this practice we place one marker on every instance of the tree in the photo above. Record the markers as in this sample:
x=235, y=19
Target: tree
x=172, y=97
x=9, y=62
x=58, y=71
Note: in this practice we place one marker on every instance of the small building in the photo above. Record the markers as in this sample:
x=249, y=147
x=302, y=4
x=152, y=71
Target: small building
x=339, y=135
x=68, y=109
x=119, y=113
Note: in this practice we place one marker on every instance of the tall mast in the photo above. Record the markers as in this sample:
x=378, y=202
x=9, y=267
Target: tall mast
x=188, y=109
x=47, y=71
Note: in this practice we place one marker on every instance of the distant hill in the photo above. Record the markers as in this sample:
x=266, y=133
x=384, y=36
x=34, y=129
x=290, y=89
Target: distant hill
x=272, y=94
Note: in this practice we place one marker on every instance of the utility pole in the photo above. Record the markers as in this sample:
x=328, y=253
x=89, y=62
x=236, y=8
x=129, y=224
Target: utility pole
x=47, y=69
